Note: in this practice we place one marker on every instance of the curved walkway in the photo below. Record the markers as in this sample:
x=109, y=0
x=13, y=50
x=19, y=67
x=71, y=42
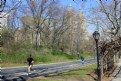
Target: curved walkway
x=117, y=72
x=20, y=73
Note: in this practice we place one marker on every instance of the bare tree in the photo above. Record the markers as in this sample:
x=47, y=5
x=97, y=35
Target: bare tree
x=107, y=16
x=39, y=14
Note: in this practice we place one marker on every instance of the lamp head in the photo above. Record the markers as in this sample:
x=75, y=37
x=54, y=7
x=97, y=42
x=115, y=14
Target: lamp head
x=96, y=35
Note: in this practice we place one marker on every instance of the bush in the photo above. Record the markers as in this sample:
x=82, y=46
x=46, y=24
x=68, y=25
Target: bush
x=20, y=45
x=57, y=53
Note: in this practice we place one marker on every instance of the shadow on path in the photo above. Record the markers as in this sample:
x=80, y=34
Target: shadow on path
x=21, y=78
x=118, y=71
x=92, y=77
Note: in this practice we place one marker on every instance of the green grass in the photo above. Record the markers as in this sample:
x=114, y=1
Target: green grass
x=39, y=57
x=80, y=72
x=87, y=55
x=18, y=57
x=69, y=56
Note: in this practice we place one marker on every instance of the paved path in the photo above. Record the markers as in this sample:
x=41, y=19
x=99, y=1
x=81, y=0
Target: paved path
x=20, y=73
x=117, y=73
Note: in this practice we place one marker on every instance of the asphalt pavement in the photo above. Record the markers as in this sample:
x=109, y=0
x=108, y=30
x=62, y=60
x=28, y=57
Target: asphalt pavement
x=20, y=73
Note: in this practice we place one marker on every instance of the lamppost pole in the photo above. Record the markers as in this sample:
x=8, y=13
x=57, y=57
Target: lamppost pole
x=96, y=36
x=98, y=63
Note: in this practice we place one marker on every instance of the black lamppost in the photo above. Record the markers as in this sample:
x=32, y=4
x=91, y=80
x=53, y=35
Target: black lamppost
x=96, y=36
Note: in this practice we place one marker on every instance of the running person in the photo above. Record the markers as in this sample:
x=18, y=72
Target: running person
x=30, y=61
x=82, y=59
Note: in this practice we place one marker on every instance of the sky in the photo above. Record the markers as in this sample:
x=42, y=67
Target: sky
x=84, y=7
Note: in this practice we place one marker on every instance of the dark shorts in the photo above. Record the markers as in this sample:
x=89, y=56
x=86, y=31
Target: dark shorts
x=30, y=64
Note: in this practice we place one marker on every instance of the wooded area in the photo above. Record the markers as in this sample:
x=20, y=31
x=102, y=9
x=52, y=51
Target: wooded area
x=47, y=25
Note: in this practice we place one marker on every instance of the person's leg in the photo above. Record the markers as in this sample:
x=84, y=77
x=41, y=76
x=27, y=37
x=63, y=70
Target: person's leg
x=82, y=62
x=29, y=68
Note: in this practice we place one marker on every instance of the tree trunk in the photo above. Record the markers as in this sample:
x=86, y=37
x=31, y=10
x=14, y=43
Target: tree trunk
x=36, y=40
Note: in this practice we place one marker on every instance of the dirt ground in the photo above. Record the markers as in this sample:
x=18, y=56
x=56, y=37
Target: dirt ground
x=90, y=77
x=104, y=78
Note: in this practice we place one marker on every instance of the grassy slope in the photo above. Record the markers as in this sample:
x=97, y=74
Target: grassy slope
x=80, y=72
x=18, y=57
